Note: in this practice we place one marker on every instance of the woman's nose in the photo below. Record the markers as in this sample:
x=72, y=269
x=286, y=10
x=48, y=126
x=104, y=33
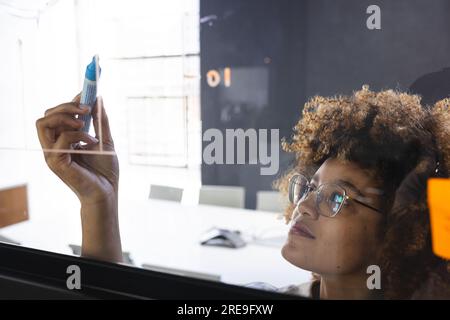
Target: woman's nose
x=307, y=207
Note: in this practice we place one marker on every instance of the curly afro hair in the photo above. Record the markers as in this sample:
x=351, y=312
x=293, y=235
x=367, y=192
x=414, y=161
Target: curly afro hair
x=402, y=144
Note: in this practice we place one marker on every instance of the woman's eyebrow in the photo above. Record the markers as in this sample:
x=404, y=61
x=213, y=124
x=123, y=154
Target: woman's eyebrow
x=344, y=183
x=349, y=185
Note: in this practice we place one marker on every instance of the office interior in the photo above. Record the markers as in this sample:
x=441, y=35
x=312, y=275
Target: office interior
x=173, y=72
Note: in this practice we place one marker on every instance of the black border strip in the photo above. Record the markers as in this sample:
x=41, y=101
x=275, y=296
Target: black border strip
x=104, y=280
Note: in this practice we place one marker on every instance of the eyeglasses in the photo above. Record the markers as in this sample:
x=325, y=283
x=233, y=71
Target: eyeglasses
x=330, y=197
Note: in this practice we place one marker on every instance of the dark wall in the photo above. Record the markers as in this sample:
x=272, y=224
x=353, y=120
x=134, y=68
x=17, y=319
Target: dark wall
x=307, y=48
x=342, y=54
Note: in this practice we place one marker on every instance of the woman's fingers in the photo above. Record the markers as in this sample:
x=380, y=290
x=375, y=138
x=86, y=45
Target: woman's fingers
x=60, y=129
x=100, y=119
x=77, y=98
x=61, y=162
x=47, y=126
x=67, y=138
x=72, y=108
x=58, y=120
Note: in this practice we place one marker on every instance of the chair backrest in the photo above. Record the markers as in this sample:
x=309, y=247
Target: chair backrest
x=165, y=193
x=226, y=196
x=270, y=201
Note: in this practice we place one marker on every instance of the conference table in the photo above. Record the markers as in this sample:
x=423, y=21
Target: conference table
x=166, y=235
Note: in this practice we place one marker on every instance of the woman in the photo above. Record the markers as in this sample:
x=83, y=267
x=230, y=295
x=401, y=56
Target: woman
x=358, y=190
x=382, y=147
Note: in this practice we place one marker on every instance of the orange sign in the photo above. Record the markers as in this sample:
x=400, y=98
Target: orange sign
x=439, y=205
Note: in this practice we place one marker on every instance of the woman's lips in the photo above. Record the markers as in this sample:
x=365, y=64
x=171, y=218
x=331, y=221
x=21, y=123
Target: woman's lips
x=300, y=229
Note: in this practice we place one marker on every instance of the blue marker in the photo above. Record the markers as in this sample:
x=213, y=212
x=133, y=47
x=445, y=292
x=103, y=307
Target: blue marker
x=89, y=94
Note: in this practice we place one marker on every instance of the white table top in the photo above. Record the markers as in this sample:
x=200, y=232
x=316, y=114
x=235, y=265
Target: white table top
x=167, y=234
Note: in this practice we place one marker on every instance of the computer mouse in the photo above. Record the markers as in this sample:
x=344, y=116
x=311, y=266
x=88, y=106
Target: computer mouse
x=222, y=238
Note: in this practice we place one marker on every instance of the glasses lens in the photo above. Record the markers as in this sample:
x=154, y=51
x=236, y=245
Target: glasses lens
x=298, y=187
x=330, y=199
